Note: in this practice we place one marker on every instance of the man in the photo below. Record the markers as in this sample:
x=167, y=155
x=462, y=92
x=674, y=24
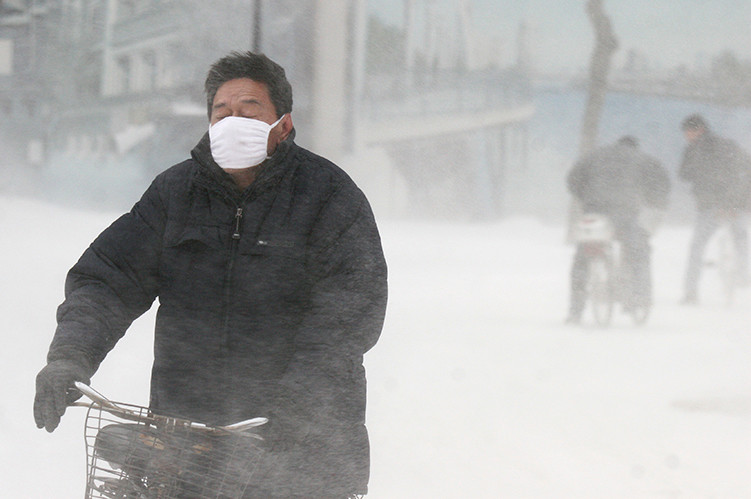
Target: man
x=271, y=282
x=720, y=174
x=619, y=181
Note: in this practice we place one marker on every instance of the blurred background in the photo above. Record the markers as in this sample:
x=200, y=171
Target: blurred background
x=460, y=120
x=465, y=109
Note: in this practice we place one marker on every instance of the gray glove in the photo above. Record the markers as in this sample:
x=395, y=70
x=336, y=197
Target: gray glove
x=55, y=390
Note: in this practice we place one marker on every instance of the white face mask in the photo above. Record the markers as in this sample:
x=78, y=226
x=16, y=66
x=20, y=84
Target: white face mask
x=238, y=142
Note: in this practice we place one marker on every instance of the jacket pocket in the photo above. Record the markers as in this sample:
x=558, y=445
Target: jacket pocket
x=285, y=246
x=272, y=267
x=195, y=236
x=192, y=268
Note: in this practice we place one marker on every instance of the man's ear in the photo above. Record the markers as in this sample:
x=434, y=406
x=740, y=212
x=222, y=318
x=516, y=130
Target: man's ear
x=286, y=126
x=279, y=133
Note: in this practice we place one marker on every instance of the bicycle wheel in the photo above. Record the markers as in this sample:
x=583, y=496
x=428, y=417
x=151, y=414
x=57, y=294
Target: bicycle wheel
x=600, y=290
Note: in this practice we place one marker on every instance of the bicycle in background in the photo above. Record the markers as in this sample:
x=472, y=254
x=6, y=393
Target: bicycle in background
x=609, y=283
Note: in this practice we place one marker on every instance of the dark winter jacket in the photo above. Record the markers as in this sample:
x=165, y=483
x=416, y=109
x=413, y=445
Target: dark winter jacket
x=268, y=299
x=719, y=171
x=619, y=179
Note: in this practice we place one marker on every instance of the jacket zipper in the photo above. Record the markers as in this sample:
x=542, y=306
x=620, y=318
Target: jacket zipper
x=230, y=267
x=234, y=248
x=238, y=219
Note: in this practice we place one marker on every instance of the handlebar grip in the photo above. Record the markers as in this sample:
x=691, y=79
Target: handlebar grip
x=94, y=395
x=246, y=425
x=108, y=405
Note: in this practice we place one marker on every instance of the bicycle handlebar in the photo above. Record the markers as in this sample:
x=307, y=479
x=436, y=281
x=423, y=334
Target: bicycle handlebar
x=96, y=397
x=125, y=412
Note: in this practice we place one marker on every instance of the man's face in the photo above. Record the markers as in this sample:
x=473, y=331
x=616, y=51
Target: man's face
x=692, y=134
x=246, y=98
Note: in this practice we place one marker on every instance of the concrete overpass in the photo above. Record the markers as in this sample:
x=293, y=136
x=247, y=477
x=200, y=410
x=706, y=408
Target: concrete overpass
x=451, y=135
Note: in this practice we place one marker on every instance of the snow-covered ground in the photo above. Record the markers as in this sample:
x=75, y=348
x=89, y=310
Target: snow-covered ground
x=476, y=388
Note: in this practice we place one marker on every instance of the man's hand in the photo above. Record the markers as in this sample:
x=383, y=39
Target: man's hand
x=55, y=391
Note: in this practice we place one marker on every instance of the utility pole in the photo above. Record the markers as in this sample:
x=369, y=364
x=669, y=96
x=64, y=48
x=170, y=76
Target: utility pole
x=330, y=84
x=359, y=28
x=256, y=42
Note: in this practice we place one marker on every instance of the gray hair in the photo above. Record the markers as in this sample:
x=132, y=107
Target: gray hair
x=258, y=68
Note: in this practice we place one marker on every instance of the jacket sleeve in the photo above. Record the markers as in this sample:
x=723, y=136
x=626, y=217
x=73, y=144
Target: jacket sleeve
x=688, y=167
x=738, y=165
x=577, y=180
x=113, y=283
x=656, y=184
x=347, y=308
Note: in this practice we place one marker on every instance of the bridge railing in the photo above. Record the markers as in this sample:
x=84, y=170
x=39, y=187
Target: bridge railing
x=436, y=93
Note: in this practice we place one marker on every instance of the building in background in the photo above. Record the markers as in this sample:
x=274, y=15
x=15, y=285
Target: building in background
x=112, y=90
x=24, y=95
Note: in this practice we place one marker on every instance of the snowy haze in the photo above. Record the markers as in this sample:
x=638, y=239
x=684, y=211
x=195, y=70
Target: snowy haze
x=476, y=388
x=669, y=32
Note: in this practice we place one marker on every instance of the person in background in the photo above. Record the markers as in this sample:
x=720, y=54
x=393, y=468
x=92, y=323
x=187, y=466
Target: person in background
x=719, y=172
x=620, y=181
x=272, y=285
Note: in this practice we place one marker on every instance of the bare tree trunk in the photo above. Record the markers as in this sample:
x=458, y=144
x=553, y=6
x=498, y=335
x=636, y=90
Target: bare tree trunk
x=605, y=45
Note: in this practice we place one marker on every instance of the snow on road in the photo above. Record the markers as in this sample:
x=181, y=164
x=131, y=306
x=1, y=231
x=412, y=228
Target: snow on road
x=476, y=388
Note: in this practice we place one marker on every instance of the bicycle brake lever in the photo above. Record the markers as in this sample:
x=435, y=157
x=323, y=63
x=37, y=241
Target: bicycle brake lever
x=94, y=395
x=246, y=425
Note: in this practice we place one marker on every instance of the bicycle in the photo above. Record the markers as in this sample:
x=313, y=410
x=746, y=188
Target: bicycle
x=133, y=453
x=608, y=281
x=726, y=260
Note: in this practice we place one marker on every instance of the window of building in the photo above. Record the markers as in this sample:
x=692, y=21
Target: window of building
x=129, y=8
x=6, y=109
x=30, y=107
x=150, y=72
x=6, y=56
x=126, y=8
x=123, y=74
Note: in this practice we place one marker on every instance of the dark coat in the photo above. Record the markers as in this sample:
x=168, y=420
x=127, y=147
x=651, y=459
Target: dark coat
x=618, y=180
x=268, y=300
x=719, y=172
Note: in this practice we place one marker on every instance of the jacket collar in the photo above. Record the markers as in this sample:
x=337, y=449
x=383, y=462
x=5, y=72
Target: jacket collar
x=269, y=172
x=706, y=138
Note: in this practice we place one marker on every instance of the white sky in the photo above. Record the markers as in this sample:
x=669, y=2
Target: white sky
x=669, y=32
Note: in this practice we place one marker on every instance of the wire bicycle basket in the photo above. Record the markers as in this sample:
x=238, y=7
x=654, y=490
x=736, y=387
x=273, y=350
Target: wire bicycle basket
x=132, y=453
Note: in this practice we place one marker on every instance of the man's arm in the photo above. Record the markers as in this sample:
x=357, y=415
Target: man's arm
x=656, y=184
x=688, y=166
x=577, y=179
x=112, y=284
x=347, y=310
x=739, y=174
